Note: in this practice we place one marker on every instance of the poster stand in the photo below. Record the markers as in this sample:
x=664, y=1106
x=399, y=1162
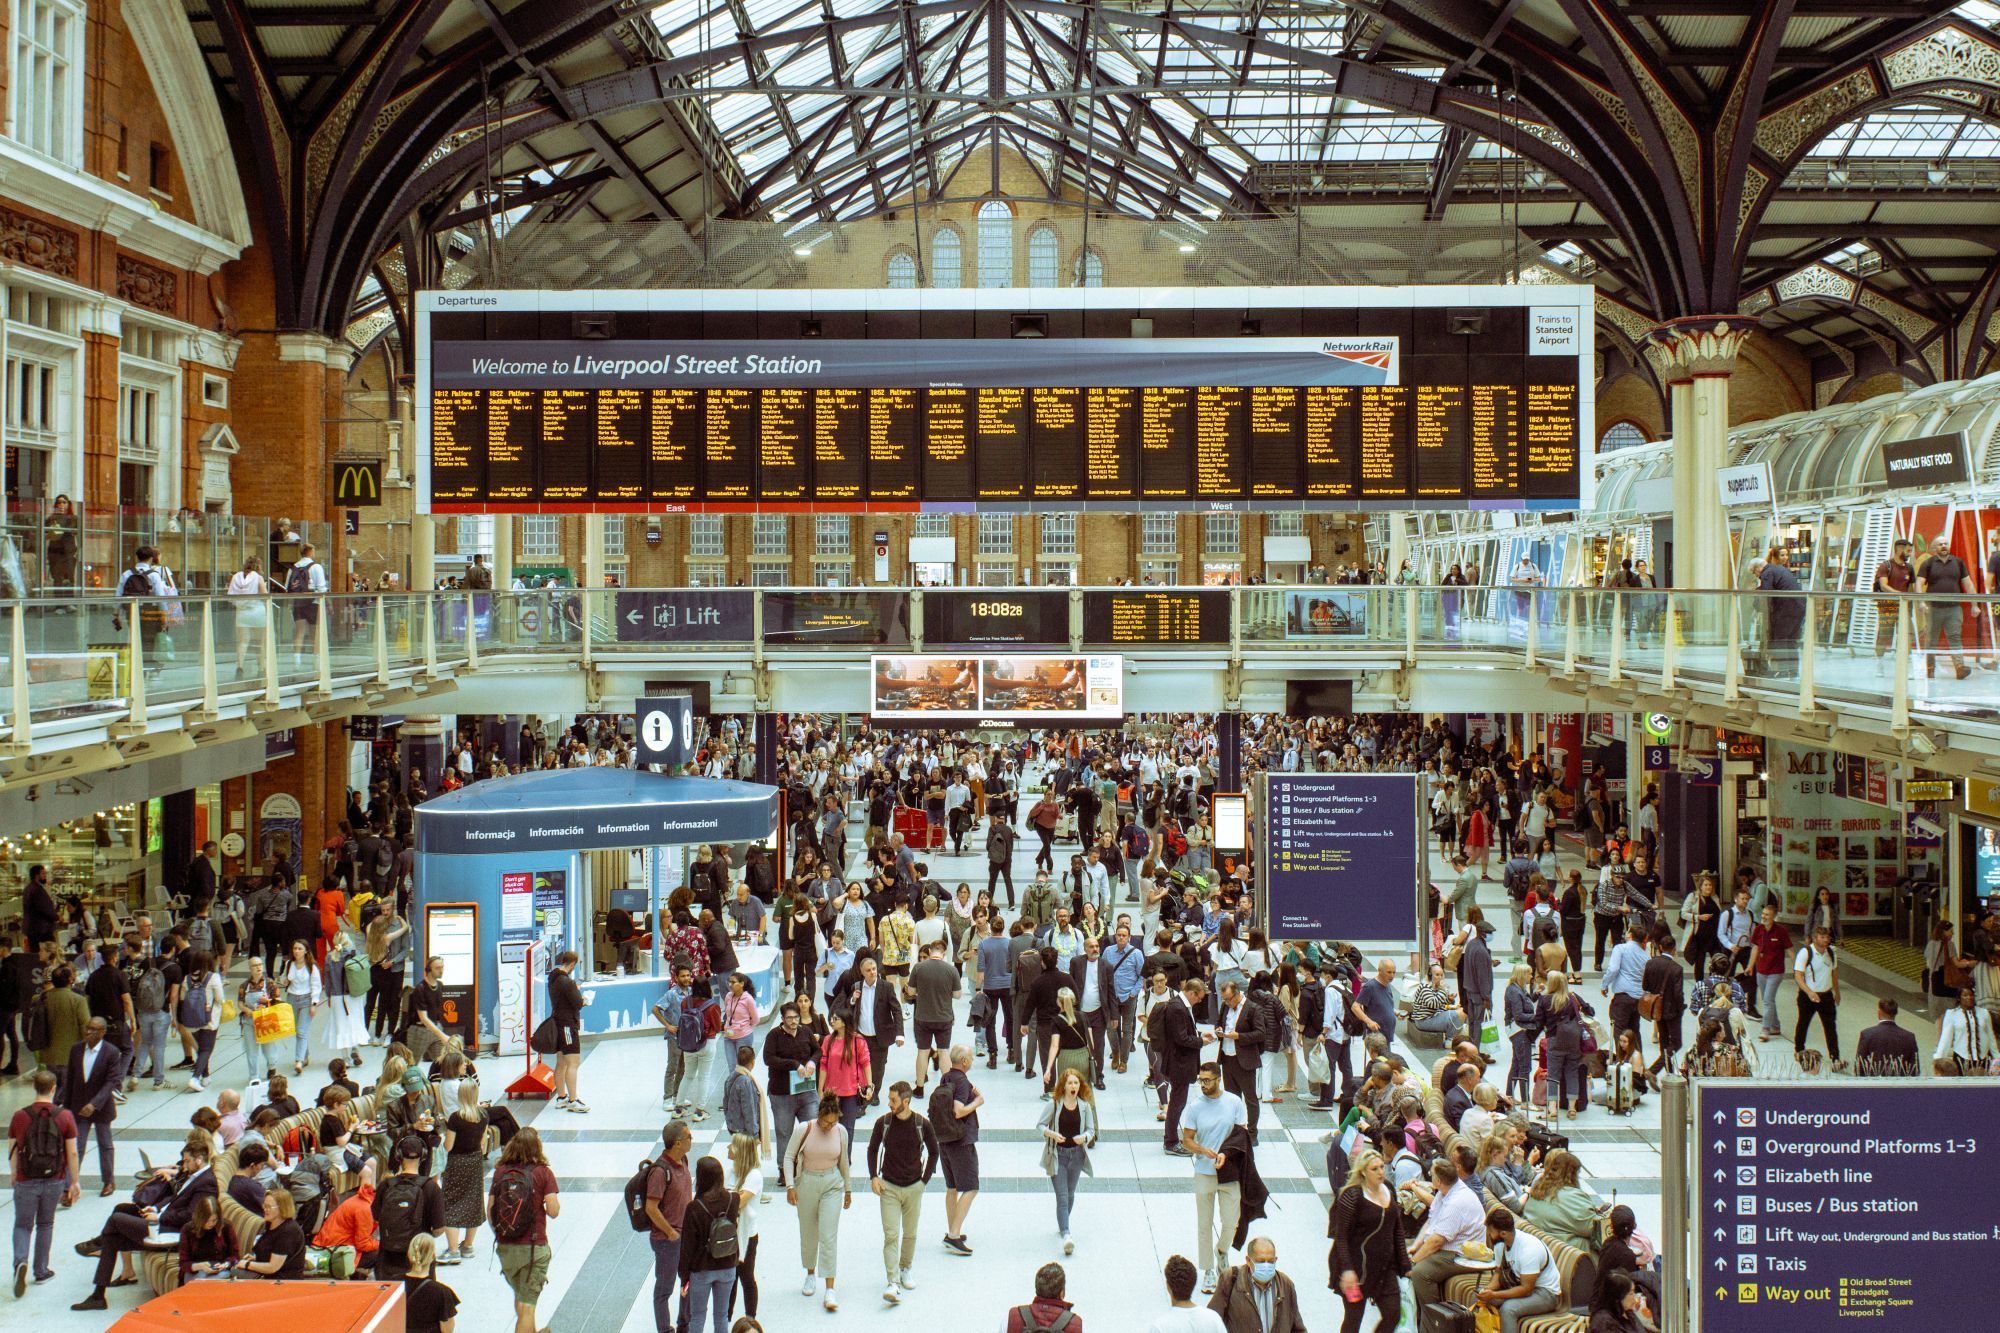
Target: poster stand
x=537, y=1079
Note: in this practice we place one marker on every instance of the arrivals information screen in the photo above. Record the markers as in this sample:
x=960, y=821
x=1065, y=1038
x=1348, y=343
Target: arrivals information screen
x=689, y=408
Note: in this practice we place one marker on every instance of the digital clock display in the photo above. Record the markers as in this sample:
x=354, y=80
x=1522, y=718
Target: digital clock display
x=1028, y=617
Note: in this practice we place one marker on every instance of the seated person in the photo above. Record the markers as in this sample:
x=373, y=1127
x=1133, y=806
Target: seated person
x=279, y=1252
x=1502, y=1173
x=263, y=1130
x=413, y=1113
x=129, y=1225
x=353, y=1222
x=208, y=1247
x=1462, y=1053
x=278, y=1098
x=1481, y=1117
x=1625, y=1251
x=1536, y=1287
x=254, y=1177
x=1561, y=1207
x=623, y=936
x=1458, y=1096
x=1432, y=1008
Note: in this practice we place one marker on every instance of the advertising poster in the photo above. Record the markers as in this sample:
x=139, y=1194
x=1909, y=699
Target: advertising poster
x=1326, y=613
x=976, y=688
x=280, y=828
x=517, y=904
x=1826, y=836
x=1562, y=746
x=1345, y=857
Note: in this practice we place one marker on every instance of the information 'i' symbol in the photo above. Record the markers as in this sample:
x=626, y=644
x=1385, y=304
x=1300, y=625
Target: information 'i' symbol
x=659, y=730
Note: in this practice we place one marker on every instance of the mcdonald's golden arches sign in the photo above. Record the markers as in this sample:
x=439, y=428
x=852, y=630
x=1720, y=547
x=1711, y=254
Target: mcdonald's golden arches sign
x=357, y=484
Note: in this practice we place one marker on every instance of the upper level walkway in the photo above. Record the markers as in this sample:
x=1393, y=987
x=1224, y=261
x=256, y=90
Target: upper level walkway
x=88, y=685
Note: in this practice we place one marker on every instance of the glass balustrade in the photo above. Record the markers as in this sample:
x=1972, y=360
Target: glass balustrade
x=1927, y=656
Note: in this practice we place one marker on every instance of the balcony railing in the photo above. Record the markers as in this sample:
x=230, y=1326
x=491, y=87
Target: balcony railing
x=1930, y=658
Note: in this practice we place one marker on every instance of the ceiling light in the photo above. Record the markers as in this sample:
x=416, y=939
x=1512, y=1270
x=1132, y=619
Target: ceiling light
x=1187, y=249
x=803, y=252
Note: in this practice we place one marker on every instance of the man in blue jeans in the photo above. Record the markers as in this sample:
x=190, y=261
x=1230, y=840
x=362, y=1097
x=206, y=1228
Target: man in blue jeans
x=669, y=1186
x=39, y=1185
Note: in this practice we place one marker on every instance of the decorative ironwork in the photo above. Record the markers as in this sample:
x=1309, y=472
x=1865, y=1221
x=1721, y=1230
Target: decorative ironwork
x=148, y=285
x=1816, y=280
x=1949, y=53
x=42, y=245
x=1783, y=133
x=1700, y=345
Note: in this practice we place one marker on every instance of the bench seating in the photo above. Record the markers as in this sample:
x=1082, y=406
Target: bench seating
x=161, y=1269
x=1579, y=1281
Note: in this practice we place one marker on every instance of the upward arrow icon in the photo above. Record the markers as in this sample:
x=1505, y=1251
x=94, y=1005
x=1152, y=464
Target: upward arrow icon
x=1720, y=1234
x=1718, y=1117
x=1722, y=1293
x=1720, y=1146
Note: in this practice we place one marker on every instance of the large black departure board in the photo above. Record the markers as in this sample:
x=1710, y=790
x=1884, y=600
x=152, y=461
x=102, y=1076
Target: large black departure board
x=1132, y=616
x=686, y=411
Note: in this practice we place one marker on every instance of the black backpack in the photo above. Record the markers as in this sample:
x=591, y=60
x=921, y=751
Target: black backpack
x=943, y=1115
x=513, y=1209
x=42, y=1152
x=300, y=579
x=1543, y=930
x=722, y=1244
x=35, y=1024
x=136, y=584
x=635, y=1198
x=397, y=1202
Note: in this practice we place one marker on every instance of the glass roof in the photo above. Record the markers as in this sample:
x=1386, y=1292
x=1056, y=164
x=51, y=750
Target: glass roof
x=822, y=121
x=1912, y=130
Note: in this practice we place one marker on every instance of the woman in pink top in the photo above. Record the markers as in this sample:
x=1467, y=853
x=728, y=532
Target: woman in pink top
x=843, y=1067
x=739, y=1017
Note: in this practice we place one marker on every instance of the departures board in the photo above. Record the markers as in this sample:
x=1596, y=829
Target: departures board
x=800, y=402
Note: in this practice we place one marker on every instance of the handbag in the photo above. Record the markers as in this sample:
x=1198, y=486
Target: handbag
x=1954, y=977
x=1485, y=1319
x=227, y=1014
x=274, y=1022
x=546, y=1038
x=1652, y=1005
x=336, y=1261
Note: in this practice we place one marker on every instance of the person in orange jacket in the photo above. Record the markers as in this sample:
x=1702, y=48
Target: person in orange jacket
x=353, y=1223
x=332, y=906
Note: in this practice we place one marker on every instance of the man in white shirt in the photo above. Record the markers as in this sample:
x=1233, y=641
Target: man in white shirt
x=1537, y=1286
x=1732, y=932
x=1096, y=880
x=1455, y=1220
x=1817, y=972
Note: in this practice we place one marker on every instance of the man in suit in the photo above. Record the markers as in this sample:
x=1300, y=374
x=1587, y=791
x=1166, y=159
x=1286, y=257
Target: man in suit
x=1475, y=980
x=1887, y=1050
x=878, y=1016
x=1241, y=1030
x=126, y=1229
x=1181, y=1059
x=200, y=887
x=1090, y=978
x=95, y=1069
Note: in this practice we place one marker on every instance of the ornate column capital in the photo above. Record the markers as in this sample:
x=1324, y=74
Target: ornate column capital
x=1697, y=346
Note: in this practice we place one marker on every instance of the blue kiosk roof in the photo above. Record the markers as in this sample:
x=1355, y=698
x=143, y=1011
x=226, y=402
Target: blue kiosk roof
x=581, y=809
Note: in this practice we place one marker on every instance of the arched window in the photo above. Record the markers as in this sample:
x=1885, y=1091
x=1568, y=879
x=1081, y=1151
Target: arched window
x=1089, y=270
x=902, y=270
x=996, y=244
x=946, y=257
x=1042, y=250
x=1620, y=435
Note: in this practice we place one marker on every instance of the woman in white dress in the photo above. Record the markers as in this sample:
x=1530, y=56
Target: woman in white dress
x=347, y=995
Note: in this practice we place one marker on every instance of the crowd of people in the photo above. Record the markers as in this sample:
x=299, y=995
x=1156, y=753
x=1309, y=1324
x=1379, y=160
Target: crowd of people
x=1129, y=953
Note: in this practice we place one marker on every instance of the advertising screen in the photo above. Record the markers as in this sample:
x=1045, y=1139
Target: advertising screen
x=1232, y=821
x=451, y=932
x=936, y=689
x=1324, y=613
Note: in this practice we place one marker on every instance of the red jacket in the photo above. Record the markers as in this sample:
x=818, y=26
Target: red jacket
x=1046, y=1310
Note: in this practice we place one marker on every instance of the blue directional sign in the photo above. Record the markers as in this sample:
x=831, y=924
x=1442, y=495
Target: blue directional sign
x=1343, y=856
x=1857, y=1199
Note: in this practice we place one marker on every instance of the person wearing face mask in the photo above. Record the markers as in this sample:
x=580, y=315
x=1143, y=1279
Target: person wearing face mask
x=1254, y=1297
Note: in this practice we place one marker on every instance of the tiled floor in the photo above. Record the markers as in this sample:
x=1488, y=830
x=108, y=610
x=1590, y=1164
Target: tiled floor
x=1132, y=1213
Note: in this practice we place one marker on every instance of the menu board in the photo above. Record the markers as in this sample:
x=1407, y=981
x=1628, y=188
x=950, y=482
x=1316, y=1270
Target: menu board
x=513, y=419
x=1120, y=616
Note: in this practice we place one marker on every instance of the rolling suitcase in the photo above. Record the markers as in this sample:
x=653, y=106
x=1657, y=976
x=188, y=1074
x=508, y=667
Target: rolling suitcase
x=1445, y=1317
x=1619, y=1098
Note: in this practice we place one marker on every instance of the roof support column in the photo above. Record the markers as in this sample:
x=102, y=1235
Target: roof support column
x=1696, y=357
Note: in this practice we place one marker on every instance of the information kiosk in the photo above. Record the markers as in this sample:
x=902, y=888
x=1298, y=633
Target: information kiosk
x=511, y=862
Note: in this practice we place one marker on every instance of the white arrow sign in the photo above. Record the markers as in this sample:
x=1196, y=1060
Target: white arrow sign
x=1720, y=1234
x=1719, y=1176
x=1720, y=1265
x=1718, y=1117
x=1720, y=1145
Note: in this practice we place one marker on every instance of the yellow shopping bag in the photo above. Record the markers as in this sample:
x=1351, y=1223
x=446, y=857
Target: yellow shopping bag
x=274, y=1022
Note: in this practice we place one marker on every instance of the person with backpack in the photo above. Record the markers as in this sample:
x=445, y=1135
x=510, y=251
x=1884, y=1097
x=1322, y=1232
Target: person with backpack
x=710, y=1248
x=520, y=1202
x=902, y=1154
x=352, y=1221
x=42, y=1157
x=306, y=582
x=346, y=986
x=406, y=1204
x=566, y=1008
x=1048, y=1312
x=697, y=1028
x=141, y=583
x=199, y=1011
x=150, y=991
